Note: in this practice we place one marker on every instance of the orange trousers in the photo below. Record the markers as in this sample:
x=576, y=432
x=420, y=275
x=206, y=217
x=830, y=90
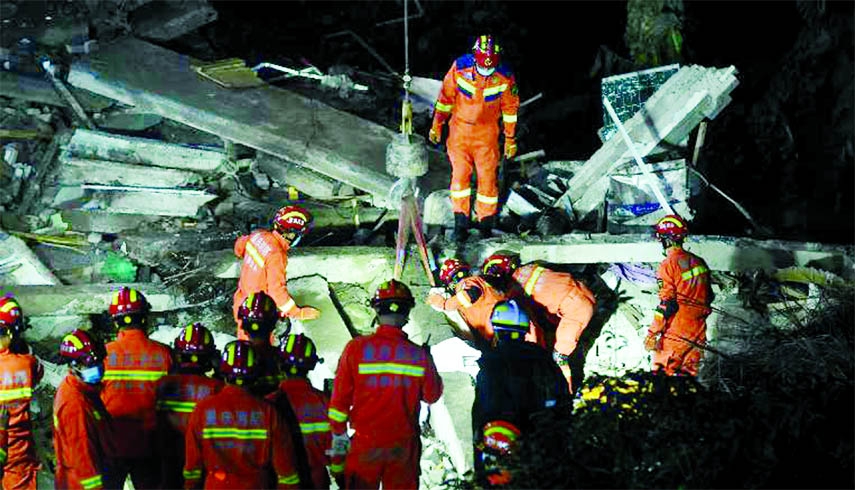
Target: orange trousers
x=395, y=464
x=676, y=355
x=16, y=479
x=474, y=147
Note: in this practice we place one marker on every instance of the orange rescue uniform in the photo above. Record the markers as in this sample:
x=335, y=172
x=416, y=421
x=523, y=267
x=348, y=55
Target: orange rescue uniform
x=310, y=407
x=19, y=375
x=475, y=104
x=133, y=366
x=684, y=286
x=81, y=435
x=237, y=441
x=264, y=257
x=379, y=384
x=177, y=396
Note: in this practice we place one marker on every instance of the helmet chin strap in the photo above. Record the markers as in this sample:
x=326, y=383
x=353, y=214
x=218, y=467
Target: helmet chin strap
x=484, y=72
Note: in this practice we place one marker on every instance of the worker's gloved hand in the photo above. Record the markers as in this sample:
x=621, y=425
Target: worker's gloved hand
x=653, y=342
x=435, y=134
x=340, y=445
x=510, y=147
x=436, y=301
x=308, y=313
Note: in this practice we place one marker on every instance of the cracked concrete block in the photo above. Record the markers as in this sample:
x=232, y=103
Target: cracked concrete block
x=20, y=266
x=304, y=179
x=84, y=299
x=45, y=328
x=451, y=418
x=83, y=171
x=145, y=200
x=437, y=209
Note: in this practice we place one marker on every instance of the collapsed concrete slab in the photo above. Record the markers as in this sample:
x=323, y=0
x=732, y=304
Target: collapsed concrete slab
x=133, y=200
x=93, y=221
x=85, y=299
x=164, y=22
x=84, y=171
x=20, y=266
x=41, y=91
x=303, y=179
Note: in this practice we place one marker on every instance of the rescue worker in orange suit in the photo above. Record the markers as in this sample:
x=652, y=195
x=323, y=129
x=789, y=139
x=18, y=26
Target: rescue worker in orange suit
x=81, y=424
x=685, y=294
x=134, y=365
x=379, y=384
x=297, y=398
x=567, y=300
x=259, y=315
x=194, y=355
x=264, y=256
x=234, y=439
x=474, y=298
x=19, y=375
x=476, y=92
x=515, y=379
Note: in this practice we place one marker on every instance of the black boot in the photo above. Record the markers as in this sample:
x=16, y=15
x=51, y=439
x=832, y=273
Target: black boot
x=486, y=226
x=461, y=227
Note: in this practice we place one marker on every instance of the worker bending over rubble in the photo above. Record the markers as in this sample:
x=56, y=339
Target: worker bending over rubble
x=685, y=294
x=264, y=256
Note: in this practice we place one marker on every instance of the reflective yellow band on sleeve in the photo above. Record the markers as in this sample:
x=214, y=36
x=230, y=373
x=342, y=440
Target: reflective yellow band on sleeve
x=694, y=272
x=288, y=480
x=532, y=281
x=93, y=482
x=3, y=456
x=192, y=474
x=337, y=416
x=336, y=468
x=253, y=252
x=463, y=298
x=288, y=306
x=509, y=118
x=443, y=107
x=175, y=406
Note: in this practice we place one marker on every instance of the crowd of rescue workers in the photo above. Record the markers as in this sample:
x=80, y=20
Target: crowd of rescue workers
x=191, y=416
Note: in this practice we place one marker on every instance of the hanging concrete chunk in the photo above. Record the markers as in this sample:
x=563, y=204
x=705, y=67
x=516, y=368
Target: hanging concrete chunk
x=20, y=266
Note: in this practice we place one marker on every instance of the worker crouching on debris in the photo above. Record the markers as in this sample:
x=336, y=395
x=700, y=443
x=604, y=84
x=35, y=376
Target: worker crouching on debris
x=515, y=379
x=234, y=439
x=178, y=393
x=379, y=384
x=82, y=437
x=258, y=315
x=134, y=365
x=297, y=400
x=564, y=298
x=20, y=372
x=264, y=256
x=678, y=331
x=477, y=91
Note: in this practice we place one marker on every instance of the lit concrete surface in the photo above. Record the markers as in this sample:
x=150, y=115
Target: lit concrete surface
x=83, y=171
x=20, y=266
x=41, y=91
x=86, y=299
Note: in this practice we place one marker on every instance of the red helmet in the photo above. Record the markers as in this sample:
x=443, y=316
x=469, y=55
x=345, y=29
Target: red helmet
x=259, y=314
x=501, y=264
x=452, y=271
x=127, y=301
x=298, y=353
x=195, y=341
x=11, y=316
x=292, y=218
x=391, y=296
x=671, y=226
x=501, y=436
x=486, y=52
x=239, y=362
x=82, y=348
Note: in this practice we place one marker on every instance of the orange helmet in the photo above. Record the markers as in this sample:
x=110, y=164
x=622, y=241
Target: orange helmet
x=298, y=353
x=82, y=349
x=392, y=296
x=486, y=52
x=11, y=316
x=292, y=219
x=452, y=271
x=239, y=363
x=500, y=264
x=126, y=304
x=671, y=226
x=259, y=314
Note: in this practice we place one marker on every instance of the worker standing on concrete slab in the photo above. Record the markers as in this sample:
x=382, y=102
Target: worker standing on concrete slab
x=258, y=315
x=194, y=355
x=234, y=439
x=515, y=379
x=134, y=365
x=565, y=299
x=380, y=383
x=82, y=436
x=19, y=375
x=296, y=398
x=476, y=92
x=685, y=294
x=264, y=256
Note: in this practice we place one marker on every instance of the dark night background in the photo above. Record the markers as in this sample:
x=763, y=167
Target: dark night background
x=783, y=148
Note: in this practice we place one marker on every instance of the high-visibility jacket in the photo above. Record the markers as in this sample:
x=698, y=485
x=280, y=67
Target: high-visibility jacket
x=475, y=299
x=310, y=406
x=19, y=375
x=177, y=396
x=264, y=257
x=133, y=367
x=235, y=441
x=81, y=435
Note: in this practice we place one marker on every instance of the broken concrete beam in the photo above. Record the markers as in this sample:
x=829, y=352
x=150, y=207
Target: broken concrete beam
x=146, y=200
x=20, y=266
x=668, y=116
x=97, y=145
x=164, y=22
x=92, y=221
x=83, y=171
x=41, y=91
x=270, y=119
x=85, y=299
x=325, y=216
x=303, y=179
x=152, y=247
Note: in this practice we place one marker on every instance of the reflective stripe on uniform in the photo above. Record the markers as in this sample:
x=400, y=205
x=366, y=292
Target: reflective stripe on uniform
x=233, y=433
x=532, y=281
x=464, y=86
x=391, y=368
x=93, y=482
x=288, y=306
x=509, y=118
x=16, y=394
x=463, y=298
x=495, y=90
x=312, y=427
x=337, y=468
x=460, y=194
x=2, y=456
x=292, y=479
x=175, y=406
x=694, y=272
x=337, y=415
x=256, y=256
x=487, y=199
x=133, y=375
x=192, y=474
x=443, y=107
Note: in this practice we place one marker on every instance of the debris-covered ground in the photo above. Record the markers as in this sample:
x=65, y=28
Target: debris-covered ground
x=109, y=176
